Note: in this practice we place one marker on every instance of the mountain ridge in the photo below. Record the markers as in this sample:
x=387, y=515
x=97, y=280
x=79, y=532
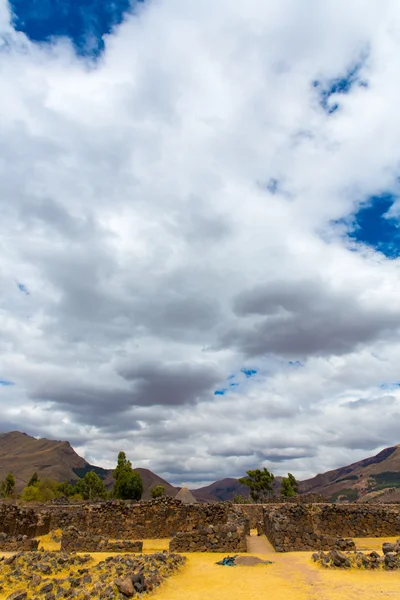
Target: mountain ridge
x=373, y=479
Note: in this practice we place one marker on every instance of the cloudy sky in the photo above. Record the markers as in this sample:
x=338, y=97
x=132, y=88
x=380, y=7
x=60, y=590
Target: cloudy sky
x=199, y=231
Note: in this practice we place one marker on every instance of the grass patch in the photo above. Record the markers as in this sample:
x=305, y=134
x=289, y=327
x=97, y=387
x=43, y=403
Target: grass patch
x=346, y=494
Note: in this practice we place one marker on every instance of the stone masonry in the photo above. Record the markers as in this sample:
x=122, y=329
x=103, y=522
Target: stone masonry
x=16, y=521
x=318, y=526
x=73, y=540
x=229, y=537
x=160, y=518
x=17, y=543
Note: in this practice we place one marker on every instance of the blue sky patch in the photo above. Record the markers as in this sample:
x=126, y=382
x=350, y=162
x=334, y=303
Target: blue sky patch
x=339, y=85
x=390, y=386
x=295, y=363
x=273, y=185
x=83, y=21
x=6, y=383
x=221, y=392
x=372, y=226
x=23, y=289
x=249, y=372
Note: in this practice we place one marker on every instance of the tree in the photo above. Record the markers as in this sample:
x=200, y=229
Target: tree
x=261, y=484
x=31, y=493
x=7, y=486
x=290, y=486
x=91, y=487
x=158, y=491
x=66, y=489
x=33, y=480
x=128, y=484
x=48, y=489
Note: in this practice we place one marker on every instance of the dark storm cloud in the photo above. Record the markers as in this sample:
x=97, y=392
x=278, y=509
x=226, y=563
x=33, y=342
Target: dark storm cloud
x=170, y=384
x=305, y=318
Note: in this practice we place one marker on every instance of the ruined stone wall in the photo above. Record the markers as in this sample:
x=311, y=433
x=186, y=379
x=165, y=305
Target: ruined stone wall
x=318, y=526
x=253, y=512
x=16, y=521
x=17, y=543
x=144, y=520
x=224, y=538
x=74, y=540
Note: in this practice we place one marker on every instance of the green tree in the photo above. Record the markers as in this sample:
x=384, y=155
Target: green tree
x=158, y=491
x=290, y=486
x=128, y=484
x=31, y=493
x=33, y=480
x=7, y=487
x=260, y=482
x=66, y=489
x=91, y=487
x=48, y=489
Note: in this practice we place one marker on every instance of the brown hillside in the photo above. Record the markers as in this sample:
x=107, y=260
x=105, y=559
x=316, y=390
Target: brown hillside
x=22, y=455
x=225, y=489
x=367, y=479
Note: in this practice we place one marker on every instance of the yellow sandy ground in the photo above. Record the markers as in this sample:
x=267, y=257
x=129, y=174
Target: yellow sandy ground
x=293, y=576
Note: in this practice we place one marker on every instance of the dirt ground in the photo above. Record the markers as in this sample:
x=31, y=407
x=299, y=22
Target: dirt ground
x=292, y=576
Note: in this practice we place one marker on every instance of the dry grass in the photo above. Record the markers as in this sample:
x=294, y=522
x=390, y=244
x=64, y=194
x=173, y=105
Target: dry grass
x=292, y=576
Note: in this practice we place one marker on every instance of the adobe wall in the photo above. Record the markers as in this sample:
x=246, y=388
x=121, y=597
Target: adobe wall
x=318, y=526
x=160, y=518
x=16, y=521
x=73, y=540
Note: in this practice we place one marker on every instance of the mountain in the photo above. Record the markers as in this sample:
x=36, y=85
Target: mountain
x=373, y=479
x=225, y=489
x=22, y=455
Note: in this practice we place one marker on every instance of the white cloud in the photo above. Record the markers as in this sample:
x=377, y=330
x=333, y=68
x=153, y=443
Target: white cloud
x=135, y=209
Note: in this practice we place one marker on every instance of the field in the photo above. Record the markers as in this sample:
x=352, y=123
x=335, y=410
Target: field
x=292, y=576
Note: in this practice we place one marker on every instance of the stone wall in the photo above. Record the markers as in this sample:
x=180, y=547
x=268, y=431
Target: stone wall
x=74, y=540
x=318, y=526
x=160, y=518
x=16, y=521
x=253, y=512
x=224, y=538
x=17, y=543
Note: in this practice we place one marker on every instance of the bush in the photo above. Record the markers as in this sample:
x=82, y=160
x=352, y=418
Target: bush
x=31, y=493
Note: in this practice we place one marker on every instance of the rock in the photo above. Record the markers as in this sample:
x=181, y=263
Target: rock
x=387, y=547
x=18, y=595
x=338, y=558
x=125, y=586
x=345, y=544
x=36, y=579
x=46, y=588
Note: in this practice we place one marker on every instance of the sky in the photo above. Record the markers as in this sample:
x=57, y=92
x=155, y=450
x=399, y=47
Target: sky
x=199, y=231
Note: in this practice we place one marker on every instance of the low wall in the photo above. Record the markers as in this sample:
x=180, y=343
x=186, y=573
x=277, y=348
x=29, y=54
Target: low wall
x=76, y=541
x=224, y=538
x=144, y=520
x=16, y=521
x=253, y=512
x=318, y=526
x=18, y=543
